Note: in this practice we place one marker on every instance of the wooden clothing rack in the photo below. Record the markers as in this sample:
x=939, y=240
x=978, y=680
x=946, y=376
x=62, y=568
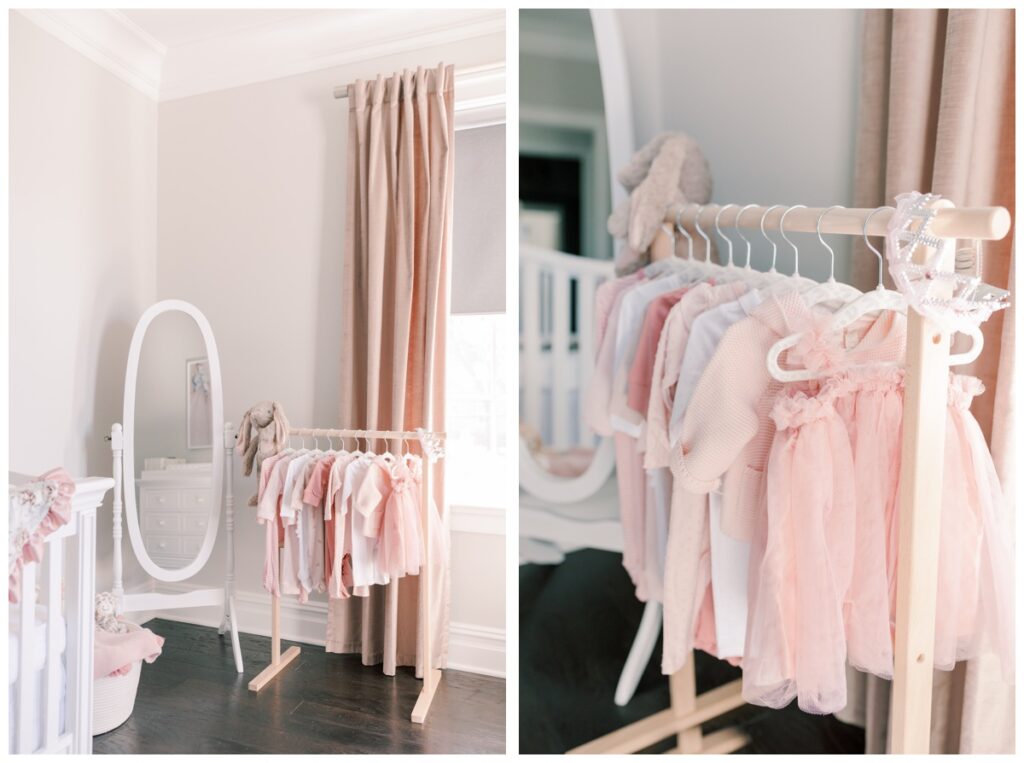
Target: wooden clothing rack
x=924, y=433
x=431, y=675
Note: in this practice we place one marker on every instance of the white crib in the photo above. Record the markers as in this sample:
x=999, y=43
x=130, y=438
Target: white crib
x=51, y=636
x=556, y=357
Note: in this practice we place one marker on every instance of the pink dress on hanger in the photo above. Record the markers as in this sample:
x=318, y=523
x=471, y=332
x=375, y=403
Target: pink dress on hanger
x=402, y=541
x=831, y=530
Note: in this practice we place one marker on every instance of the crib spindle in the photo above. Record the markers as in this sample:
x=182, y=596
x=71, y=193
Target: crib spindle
x=560, y=359
x=52, y=676
x=531, y=318
x=26, y=659
x=586, y=353
x=117, y=447
x=81, y=594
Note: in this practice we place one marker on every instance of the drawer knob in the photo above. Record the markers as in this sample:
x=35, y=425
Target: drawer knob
x=200, y=499
x=161, y=499
x=162, y=545
x=162, y=522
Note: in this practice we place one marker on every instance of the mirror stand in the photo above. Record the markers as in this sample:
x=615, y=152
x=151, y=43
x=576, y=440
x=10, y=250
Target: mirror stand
x=207, y=597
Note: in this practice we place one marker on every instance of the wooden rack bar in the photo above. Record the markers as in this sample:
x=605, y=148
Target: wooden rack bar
x=431, y=675
x=926, y=383
x=985, y=223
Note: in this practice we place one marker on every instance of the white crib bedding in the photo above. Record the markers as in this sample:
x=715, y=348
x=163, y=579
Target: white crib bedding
x=39, y=634
x=35, y=709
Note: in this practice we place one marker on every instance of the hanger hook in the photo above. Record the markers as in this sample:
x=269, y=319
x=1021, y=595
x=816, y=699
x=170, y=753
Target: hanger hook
x=703, y=235
x=775, y=248
x=718, y=228
x=831, y=252
x=782, y=230
x=684, y=232
x=739, y=231
x=867, y=243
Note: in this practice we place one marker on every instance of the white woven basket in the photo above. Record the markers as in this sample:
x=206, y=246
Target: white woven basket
x=113, y=698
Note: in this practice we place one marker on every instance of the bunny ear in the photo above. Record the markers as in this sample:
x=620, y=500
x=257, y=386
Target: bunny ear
x=244, y=432
x=652, y=197
x=280, y=424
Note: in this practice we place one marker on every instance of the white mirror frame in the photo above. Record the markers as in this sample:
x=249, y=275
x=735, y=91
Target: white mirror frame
x=618, y=100
x=131, y=377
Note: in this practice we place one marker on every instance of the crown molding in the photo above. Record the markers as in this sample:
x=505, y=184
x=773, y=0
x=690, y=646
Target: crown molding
x=294, y=45
x=109, y=39
x=313, y=42
x=480, y=97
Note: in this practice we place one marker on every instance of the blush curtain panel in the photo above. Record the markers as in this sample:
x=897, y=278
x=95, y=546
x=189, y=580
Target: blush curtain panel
x=394, y=291
x=937, y=114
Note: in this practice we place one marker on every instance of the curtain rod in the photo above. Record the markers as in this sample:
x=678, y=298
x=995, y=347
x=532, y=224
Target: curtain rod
x=341, y=91
x=986, y=223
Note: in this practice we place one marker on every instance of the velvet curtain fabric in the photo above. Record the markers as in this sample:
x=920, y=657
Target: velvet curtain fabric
x=398, y=230
x=937, y=114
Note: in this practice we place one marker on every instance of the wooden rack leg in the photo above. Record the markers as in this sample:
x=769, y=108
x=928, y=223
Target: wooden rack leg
x=278, y=661
x=431, y=677
x=924, y=434
x=682, y=692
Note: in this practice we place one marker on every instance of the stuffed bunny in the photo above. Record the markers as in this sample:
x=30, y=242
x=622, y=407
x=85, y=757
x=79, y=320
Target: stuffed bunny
x=106, y=614
x=257, y=439
x=668, y=172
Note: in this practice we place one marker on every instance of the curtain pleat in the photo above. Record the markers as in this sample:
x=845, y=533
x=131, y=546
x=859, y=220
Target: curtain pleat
x=936, y=113
x=395, y=297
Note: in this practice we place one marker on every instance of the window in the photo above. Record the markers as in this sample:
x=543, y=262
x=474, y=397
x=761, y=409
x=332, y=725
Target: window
x=477, y=450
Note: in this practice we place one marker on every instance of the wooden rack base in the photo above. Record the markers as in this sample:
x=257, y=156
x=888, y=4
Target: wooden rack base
x=682, y=720
x=278, y=661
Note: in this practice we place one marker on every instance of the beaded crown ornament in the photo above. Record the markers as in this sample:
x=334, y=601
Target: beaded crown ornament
x=910, y=226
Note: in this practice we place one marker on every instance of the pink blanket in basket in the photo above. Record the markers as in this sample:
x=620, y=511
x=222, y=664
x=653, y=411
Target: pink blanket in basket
x=115, y=652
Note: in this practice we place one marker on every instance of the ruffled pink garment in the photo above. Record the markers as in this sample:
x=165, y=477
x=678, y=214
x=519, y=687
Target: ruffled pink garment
x=402, y=542
x=824, y=555
x=56, y=488
x=796, y=640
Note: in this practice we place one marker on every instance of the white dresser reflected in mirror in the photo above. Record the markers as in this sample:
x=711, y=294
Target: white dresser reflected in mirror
x=174, y=508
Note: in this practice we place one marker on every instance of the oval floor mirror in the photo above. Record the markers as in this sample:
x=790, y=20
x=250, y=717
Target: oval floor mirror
x=172, y=463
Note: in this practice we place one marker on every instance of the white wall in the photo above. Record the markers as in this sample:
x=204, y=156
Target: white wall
x=82, y=255
x=770, y=95
x=251, y=221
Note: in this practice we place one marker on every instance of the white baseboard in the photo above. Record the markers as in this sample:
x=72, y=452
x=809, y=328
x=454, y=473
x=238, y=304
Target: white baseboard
x=476, y=649
x=472, y=648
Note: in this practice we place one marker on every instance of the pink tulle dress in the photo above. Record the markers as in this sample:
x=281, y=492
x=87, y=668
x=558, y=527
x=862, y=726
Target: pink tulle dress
x=824, y=555
x=402, y=542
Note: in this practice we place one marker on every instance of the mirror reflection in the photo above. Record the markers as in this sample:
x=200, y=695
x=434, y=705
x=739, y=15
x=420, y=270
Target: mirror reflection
x=173, y=440
x=564, y=203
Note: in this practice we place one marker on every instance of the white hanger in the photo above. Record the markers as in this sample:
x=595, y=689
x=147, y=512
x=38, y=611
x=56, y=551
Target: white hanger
x=728, y=272
x=801, y=283
x=831, y=290
x=687, y=266
x=707, y=242
x=876, y=300
x=754, y=277
x=779, y=282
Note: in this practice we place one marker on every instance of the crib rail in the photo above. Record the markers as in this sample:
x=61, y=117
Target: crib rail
x=64, y=585
x=556, y=341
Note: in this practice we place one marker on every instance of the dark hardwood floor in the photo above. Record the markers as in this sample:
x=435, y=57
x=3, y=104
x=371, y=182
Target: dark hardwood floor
x=576, y=624
x=191, y=700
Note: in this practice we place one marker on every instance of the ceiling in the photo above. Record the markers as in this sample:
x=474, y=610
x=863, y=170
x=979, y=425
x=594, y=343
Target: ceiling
x=173, y=27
